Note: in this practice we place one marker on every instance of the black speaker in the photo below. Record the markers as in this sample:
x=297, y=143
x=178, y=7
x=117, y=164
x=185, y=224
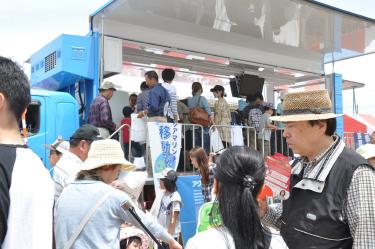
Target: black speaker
x=234, y=87
x=250, y=84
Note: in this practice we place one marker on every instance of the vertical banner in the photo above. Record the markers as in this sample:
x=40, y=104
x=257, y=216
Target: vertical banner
x=165, y=146
x=190, y=189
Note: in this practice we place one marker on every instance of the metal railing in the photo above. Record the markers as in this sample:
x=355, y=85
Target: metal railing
x=272, y=141
x=228, y=135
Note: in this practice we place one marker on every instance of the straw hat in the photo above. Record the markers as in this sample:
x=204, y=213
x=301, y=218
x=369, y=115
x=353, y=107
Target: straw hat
x=304, y=106
x=106, y=152
x=367, y=151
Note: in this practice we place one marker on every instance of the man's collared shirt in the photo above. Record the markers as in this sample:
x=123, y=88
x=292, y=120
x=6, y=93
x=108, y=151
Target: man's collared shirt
x=65, y=171
x=142, y=100
x=100, y=114
x=359, y=208
x=157, y=98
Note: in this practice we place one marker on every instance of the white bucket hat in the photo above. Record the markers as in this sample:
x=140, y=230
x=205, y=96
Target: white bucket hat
x=59, y=145
x=367, y=151
x=106, y=152
x=132, y=184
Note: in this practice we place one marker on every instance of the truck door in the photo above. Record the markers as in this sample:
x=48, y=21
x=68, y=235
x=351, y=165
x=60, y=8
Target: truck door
x=36, y=126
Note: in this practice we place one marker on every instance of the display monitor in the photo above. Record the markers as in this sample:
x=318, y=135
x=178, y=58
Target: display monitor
x=250, y=84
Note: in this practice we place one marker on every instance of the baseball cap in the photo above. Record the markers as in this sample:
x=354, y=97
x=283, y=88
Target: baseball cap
x=367, y=151
x=107, y=85
x=86, y=132
x=217, y=88
x=169, y=174
x=268, y=104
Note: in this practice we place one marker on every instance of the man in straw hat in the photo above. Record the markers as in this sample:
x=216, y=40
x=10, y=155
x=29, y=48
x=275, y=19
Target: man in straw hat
x=332, y=188
x=92, y=187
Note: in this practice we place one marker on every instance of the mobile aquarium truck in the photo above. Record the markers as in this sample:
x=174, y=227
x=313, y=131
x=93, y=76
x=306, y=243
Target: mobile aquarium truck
x=286, y=43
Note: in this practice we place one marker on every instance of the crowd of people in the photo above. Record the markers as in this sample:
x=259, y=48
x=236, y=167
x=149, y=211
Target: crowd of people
x=91, y=201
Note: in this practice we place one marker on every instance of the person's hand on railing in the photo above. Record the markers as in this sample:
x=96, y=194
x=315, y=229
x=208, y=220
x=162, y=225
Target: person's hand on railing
x=212, y=121
x=141, y=114
x=211, y=157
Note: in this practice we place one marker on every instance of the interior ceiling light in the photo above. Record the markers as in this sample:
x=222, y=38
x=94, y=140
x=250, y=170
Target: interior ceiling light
x=260, y=69
x=297, y=75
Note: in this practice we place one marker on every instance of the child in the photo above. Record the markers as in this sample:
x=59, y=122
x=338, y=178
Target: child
x=265, y=127
x=133, y=238
x=126, y=111
x=170, y=206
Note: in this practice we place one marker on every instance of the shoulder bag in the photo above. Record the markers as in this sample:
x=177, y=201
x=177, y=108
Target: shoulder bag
x=198, y=115
x=85, y=219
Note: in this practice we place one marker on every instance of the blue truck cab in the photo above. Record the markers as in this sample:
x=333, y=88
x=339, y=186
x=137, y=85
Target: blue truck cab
x=49, y=115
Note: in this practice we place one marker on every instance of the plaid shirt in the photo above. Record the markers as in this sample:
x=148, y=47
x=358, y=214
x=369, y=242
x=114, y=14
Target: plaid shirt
x=100, y=114
x=207, y=188
x=359, y=208
x=142, y=100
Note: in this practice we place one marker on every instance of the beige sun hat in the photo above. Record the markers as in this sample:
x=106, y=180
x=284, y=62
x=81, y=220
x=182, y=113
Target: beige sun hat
x=367, y=151
x=106, y=152
x=107, y=85
x=304, y=106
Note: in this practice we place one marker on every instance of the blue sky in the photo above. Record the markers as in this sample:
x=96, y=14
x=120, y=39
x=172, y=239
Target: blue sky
x=26, y=26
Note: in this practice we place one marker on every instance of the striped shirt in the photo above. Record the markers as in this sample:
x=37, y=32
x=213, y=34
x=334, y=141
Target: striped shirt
x=172, y=112
x=142, y=100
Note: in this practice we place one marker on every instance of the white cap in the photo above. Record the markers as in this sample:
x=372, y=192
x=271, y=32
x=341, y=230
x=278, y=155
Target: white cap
x=63, y=147
x=367, y=151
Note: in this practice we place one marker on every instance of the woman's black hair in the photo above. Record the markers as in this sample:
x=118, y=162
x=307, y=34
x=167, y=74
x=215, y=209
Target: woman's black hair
x=196, y=87
x=240, y=172
x=125, y=242
x=169, y=185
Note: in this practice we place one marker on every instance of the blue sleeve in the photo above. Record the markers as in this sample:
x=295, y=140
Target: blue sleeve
x=139, y=103
x=153, y=101
x=205, y=105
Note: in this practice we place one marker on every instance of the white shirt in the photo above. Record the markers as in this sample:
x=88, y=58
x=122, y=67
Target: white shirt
x=169, y=204
x=172, y=112
x=212, y=238
x=29, y=222
x=65, y=171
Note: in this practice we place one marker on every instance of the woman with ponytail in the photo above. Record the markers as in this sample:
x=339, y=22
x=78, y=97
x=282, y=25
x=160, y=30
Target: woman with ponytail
x=239, y=177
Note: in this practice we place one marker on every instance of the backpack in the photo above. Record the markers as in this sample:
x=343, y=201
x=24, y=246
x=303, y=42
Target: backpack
x=198, y=115
x=255, y=115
